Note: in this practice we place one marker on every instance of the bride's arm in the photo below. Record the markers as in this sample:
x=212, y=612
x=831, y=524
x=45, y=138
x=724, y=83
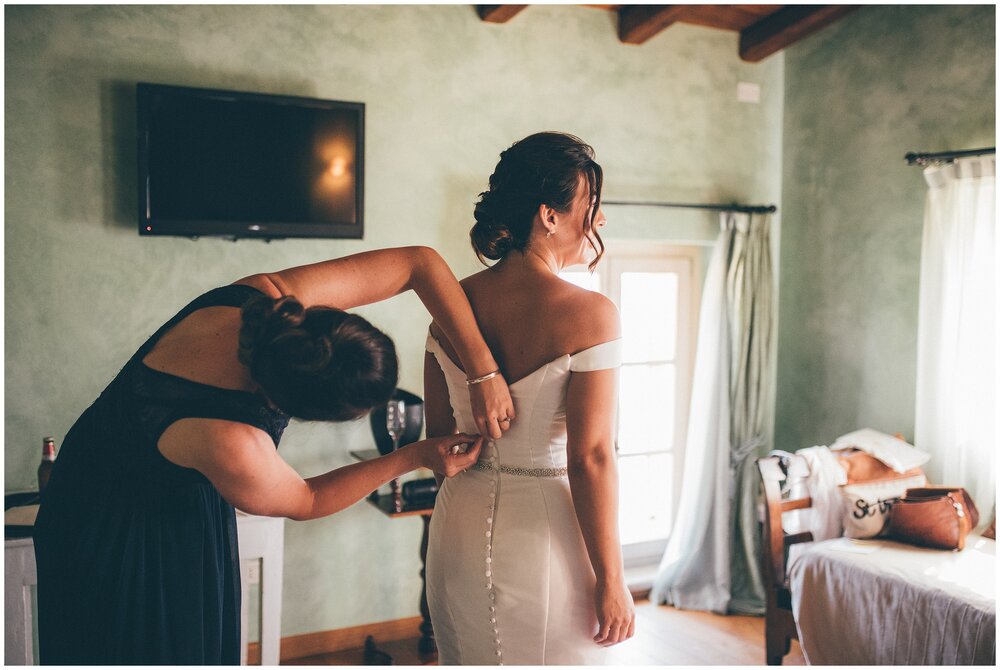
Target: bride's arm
x=591, y=405
x=439, y=419
x=593, y=480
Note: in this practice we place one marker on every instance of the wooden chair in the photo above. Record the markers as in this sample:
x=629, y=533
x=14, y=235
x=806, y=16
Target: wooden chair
x=779, y=624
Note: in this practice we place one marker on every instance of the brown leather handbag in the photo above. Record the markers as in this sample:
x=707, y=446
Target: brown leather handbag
x=937, y=491
x=935, y=516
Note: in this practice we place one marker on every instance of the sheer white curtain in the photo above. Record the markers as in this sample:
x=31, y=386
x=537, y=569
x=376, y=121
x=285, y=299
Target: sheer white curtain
x=711, y=562
x=694, y=571
x=956, y=417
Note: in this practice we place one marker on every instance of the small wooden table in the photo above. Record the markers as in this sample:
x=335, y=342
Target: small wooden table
x=394, y=507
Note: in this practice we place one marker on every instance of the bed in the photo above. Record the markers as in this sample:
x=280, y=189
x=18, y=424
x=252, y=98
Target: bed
x=878, y=602
x=869, y=602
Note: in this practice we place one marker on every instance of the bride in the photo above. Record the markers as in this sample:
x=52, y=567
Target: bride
x=524, y=565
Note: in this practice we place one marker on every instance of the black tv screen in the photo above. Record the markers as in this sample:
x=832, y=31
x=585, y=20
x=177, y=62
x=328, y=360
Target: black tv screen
x=232, y=164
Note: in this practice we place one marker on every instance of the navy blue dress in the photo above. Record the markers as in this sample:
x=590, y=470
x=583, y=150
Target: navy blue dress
x=137, y=557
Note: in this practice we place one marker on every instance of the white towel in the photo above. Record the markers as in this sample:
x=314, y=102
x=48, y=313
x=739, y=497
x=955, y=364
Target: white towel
x=825, y=475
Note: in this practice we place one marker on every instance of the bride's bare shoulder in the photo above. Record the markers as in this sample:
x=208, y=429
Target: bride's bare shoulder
x=591, y=317
x=574, y=318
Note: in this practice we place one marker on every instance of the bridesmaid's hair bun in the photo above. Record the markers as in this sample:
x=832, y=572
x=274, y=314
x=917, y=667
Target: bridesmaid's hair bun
x=541, y=169
x=319, y=363
x=263, y=319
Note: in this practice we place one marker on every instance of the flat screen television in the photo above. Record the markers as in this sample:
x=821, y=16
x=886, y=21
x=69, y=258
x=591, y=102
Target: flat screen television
x=237, y=165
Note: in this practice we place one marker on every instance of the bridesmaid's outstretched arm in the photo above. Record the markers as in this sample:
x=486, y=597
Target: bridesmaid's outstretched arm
x=373, y=276
x=242, y=463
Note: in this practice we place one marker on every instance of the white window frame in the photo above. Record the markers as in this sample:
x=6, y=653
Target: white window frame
x=684, y=260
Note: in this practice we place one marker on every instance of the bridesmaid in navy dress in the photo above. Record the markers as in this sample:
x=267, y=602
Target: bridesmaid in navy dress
x=136, y=540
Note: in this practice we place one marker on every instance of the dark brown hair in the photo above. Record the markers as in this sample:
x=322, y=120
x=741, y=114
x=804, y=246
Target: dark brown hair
x=543, y=168
x=319, y=363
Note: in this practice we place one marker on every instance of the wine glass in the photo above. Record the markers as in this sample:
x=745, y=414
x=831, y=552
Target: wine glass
x=395, y=421
x=395, y=424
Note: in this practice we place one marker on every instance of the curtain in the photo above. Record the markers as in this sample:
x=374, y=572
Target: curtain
x=712, y=560
x=956, y=341
x=750, y=297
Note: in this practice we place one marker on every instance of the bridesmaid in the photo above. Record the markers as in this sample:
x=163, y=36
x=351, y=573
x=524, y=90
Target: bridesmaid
x=136, y=541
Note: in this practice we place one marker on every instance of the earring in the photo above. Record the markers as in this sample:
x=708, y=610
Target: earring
x=549, y=234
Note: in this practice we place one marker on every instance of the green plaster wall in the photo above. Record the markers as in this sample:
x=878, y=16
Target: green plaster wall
x=444, y=94
x=875, y=85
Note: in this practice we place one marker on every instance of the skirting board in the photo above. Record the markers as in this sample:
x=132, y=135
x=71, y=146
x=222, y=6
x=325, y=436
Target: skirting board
x=341, y=639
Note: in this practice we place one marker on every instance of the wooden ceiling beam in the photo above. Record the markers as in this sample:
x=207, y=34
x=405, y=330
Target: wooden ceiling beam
x=498, y=13
x=638, y=23
x=786, y=26
x=729, y=17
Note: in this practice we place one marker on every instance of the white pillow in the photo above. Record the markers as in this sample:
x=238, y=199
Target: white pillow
x=894, y=452
x=865, y=504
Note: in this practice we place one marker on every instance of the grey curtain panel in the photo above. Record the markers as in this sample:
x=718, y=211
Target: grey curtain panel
x=712, y=561
x=750, y=299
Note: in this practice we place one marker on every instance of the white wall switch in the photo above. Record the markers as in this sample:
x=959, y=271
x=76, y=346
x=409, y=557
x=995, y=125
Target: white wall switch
x=748, y=92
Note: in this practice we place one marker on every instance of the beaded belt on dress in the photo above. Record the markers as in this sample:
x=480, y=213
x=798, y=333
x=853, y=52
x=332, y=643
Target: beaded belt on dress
x=486, y=466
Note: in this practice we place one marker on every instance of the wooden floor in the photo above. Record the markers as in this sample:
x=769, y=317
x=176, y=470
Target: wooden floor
x=664, y=636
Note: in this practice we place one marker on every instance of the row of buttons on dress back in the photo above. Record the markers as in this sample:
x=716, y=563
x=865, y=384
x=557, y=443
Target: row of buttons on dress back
x=490, y=514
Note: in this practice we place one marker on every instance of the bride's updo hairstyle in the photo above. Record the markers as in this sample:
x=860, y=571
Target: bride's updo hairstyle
x=318, y=364
x=543, y=168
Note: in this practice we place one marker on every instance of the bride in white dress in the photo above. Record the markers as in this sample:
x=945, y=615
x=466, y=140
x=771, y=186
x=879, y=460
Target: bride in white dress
x=524, y=565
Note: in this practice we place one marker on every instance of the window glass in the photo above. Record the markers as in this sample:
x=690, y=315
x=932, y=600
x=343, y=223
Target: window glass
x=649, y=315
x=646, y=497
x=646, y=408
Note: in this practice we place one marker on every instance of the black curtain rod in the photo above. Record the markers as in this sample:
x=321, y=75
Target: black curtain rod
x=745, y=209
x=914, y=158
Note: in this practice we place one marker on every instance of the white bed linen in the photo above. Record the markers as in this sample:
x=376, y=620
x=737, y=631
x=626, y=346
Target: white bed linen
x=896, y=604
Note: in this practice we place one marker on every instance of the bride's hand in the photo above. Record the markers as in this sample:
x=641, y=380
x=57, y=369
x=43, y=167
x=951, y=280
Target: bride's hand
x=448, y=455
x=492, y=407
x=615, y=613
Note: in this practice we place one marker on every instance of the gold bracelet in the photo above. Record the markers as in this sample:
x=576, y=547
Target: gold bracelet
x=479, y=380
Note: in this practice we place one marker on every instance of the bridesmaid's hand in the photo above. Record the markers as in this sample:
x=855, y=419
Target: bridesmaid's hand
x=492, y=407
x=448, y=455
x=615, y=613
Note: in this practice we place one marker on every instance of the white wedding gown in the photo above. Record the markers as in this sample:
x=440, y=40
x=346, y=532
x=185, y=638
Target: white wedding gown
x=509, y=581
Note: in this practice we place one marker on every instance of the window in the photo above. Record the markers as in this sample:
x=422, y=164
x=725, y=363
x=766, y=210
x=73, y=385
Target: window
x=655, y=287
